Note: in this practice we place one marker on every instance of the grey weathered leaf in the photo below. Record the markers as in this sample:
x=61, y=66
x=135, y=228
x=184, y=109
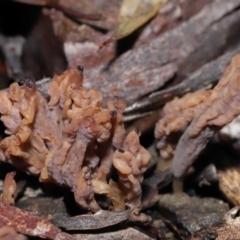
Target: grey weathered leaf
x=98, y=220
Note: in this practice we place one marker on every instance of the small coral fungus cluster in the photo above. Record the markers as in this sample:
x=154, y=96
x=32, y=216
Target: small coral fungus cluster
x=205, y=111
x=73, y=141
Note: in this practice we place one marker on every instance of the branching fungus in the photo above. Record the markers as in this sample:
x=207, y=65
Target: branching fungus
x=176, y=116
x=71, y=140
x=219, y=109
x=213, y=110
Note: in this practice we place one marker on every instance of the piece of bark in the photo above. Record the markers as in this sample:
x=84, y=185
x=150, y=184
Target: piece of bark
x=69, y=11
x=203, y=78
x=99, y=220
x=123, y=234
x=80, y=42
x=171, y=15
x=87, y=52
x=136, y=80
x=26, y=223
x=109, y=10
x=44, y=207
x=42, y=53
x=228, y=230
x=182, y=50
x=189, y=214
x=145, y=69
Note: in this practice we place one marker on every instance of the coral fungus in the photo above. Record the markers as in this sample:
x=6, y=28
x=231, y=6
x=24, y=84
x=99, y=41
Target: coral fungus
x=9, y=189
x=72, y=140
x=131, y=162
x=176, y=115
x=217, y=108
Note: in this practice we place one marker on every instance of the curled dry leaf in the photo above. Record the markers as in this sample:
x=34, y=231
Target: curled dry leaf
x=55, y=211
x=98, y=220
x=133, y=14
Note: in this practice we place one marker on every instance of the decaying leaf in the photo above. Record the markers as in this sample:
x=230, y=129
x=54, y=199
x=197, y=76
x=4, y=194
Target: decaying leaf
x=98, y=220
x=55, y=211
x=134, y=14
x=123, y=234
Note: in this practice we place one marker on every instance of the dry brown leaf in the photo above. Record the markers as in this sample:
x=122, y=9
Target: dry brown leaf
x=134, y=14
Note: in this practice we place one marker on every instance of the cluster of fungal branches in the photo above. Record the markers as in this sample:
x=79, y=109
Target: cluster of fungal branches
x=201, y=114
x=71, y=140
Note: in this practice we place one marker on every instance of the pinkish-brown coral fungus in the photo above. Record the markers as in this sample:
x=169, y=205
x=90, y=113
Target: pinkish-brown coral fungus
x=176, y=115
x=72, y=140
x=9, y=189
x=217, y=108
x=131, y=162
